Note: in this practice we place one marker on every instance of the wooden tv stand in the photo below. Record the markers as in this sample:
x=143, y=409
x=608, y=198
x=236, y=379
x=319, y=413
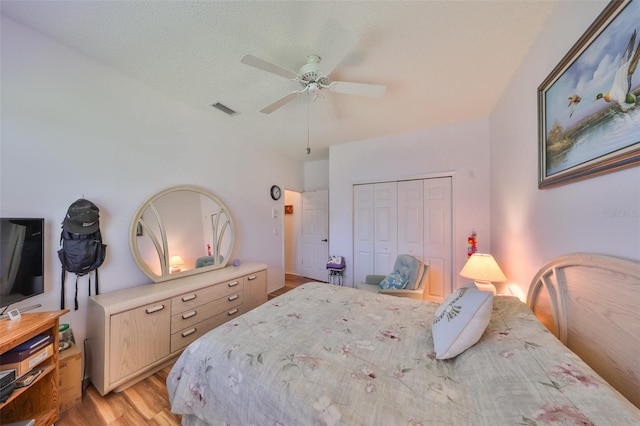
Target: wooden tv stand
x=38, y=401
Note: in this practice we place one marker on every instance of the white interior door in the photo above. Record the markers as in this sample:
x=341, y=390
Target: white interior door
x=315, y=231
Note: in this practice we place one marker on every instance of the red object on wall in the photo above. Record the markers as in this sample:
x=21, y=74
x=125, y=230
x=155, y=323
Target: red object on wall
x=472, y=244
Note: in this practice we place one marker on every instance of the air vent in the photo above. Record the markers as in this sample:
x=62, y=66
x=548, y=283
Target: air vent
x=224, y=108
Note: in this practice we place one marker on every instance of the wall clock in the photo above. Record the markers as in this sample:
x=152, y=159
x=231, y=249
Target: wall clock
x=275, y=192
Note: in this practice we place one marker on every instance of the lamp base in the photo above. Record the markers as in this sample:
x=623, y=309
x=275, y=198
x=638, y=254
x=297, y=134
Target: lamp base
x=485, y=286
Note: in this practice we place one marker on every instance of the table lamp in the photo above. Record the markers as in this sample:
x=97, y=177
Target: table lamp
x=175, y=264
x=484, y=271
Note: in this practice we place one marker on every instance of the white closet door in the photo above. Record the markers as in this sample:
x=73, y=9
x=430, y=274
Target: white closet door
x=411, y=218
x=363, y=237
x=438, y=237
x=386, y=226
x=315, y=231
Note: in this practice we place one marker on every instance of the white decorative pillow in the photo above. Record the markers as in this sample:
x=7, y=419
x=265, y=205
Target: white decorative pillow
x=460, y=321
x=394, y=280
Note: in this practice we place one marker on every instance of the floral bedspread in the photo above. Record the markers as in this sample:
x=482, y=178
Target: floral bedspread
x=324, y=354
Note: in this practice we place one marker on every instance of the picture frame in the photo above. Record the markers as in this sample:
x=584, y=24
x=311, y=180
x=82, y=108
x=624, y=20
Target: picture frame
x=587, y=122
x=288, y=209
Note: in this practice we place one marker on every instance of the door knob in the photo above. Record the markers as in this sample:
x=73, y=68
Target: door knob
x=325, y=240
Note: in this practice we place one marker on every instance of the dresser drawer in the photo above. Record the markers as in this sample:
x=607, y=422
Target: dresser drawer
x=199, y=313
x=138, y=338
x=182, y=338
x=190, y=300
x=255, y=290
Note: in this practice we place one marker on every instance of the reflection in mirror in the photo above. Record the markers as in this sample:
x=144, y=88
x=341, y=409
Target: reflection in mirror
x=179, y=231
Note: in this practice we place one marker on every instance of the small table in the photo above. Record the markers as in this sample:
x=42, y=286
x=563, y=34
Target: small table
x=335, y=275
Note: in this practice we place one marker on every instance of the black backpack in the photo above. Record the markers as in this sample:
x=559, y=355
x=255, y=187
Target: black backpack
x=82, y=248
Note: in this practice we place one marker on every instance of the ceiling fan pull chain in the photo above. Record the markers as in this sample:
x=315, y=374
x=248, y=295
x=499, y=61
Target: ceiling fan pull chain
x=308, y=120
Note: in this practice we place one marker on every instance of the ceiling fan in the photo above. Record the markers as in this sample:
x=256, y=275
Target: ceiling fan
x=314, y=75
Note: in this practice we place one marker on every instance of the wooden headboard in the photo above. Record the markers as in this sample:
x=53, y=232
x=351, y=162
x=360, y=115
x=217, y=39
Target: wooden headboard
x=591, y=303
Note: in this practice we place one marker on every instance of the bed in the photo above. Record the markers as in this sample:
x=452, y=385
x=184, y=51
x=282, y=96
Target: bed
x=323, y=354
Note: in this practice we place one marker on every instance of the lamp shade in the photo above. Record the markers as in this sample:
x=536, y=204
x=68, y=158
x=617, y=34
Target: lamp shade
x=176, y=261
x=175, y=264
x=483, y=267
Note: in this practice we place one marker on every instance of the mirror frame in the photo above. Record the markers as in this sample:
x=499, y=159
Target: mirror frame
x=162, y=244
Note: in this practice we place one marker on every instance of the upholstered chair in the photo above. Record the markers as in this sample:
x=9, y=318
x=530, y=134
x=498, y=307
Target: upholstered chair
x=408, y=279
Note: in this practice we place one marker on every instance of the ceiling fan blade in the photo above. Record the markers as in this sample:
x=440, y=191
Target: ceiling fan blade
x=268, y=67
x=360, y=89
x=280, y=102
x=343, y=42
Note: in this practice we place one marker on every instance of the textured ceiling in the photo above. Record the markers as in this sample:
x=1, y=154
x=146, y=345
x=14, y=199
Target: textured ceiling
x=441, y=61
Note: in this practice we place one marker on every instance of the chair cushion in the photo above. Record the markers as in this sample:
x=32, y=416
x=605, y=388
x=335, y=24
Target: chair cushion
x=394, y=280
x=410, y=268
x=460, y=321
x=373, y=288
x=206, y=261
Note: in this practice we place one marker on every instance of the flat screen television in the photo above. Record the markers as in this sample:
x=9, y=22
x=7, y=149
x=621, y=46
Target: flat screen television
x=21, y=259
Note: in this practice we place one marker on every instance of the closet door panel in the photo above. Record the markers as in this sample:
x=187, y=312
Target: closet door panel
x=438, y=237
x=385, y=226
x=411, y=218
x=436, y=280
x=363, y=236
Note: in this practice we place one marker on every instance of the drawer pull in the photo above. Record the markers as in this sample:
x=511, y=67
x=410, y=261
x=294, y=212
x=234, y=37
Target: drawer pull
x=233, y=311
x=233, y=283
x=188, y=332
x=233, y=297
x=189, y=315
x=252, y=277
x=189, y=298
x=154, y=309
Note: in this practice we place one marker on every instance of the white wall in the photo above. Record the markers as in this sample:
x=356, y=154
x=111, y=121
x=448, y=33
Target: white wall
x=72, y=127
x=316, y=175
x=59, y=108
x=530, y=226
x=293, y=233
x=460, y=150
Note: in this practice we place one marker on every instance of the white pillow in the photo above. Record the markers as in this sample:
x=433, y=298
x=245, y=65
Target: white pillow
x=460, y=321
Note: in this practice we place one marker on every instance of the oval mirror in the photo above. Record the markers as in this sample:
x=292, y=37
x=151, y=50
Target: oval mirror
x=181, y=231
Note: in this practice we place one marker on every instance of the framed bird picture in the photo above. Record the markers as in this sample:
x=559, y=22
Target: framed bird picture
x=589, y=106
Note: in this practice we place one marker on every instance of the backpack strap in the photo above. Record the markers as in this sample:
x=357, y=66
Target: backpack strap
x=62, y=281
x=76, y=298
x=89, y=288
x=62, y=291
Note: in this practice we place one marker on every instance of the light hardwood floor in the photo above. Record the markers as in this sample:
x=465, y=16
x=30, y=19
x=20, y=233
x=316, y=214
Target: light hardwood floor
x=290, y=282
x=145, y=403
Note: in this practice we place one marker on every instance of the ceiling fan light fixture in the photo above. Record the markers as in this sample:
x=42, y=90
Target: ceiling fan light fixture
x=313, y=76
x=309, y=74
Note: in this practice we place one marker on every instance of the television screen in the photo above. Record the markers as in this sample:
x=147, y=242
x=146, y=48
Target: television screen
x=21, y=259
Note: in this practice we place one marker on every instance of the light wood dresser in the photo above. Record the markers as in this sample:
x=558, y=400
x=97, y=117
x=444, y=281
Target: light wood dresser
x=134, y=332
